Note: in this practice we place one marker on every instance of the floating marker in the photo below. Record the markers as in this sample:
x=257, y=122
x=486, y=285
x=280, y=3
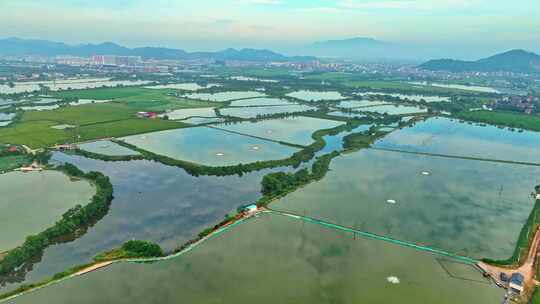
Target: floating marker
x=220, y=154
x=391, y=201
x=392, y=280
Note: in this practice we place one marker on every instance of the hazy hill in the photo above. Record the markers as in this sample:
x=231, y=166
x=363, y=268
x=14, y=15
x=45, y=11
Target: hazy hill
x=355, y=48
x=18, y=47
x=512, y=61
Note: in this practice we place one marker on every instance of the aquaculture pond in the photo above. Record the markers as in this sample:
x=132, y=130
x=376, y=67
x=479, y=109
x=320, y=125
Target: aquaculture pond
x=459, y=87
x=224, y=96
x=107, y=147
x=151, y=202
x=448, y=136
x=67, y=84
x=411, y=97
x=253, y=112
x=203, y=120
x=307, y=95
x=32, y=202
x=190, y=86
x=275, y=259
x=209, y=146
x=351, y=104
x=347, y=114
x=468, y=207
x=7, y=116
x=186, y=113
x=43, y=100
x=244, y=78
x=4, y=102
x=295, y=130
x=39, y=108
x=394, y=109
x=263, y=101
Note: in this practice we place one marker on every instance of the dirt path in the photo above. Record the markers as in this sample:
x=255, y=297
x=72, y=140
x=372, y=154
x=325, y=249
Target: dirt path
x=93, y=267
x=528, y=269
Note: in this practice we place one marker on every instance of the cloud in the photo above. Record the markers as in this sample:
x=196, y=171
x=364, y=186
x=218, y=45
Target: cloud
x=320, y=10
x=265, y=2
x=419, y=5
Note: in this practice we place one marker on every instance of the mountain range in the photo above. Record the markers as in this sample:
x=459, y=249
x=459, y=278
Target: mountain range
x=518, y=61
x=358, y=48
x=18, y=47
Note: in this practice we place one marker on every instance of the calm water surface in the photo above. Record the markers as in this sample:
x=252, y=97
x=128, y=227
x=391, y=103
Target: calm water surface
x=151, y=202
x=307, y=95
x=468, y=207
x=448, y=136
x=253, y=112
x=32, y=202
x=264, y=101
x=107, y=147
x=224, y=96
x=210, y=146
x=296, y=130
x=274, y=259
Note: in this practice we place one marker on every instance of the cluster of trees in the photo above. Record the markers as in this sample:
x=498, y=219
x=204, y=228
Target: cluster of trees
x=140, y=249
x=279, y=183
x=72, y=221
x=359, y=140
x=103, y=157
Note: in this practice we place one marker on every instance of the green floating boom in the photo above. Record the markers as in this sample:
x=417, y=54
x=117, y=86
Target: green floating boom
x=370, y=235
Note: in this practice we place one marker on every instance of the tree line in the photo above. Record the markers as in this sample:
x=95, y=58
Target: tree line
x=72, y=221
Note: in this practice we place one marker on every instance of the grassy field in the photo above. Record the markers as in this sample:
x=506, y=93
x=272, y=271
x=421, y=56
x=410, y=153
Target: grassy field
x=137, y=98
x=13, y=161
x=508, y=119
x=94, y=121
x=329, y=76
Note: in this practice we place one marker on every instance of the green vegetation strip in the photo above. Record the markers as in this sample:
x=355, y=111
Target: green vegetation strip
x=104, y=157
x=74, y=220
x=507, y=119
x=10, y=161
x=295, y=160
x=459, y=157
x=131, y=249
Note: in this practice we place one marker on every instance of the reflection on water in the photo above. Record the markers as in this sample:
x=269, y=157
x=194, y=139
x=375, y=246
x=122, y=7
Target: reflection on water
x=448, y=136
x=151, y=202
x=224, y=96
x=32, y=202
x=307, y=95
x=274, y=259
x=263, y=101
x=469, y=207
x=295, y=130
x=107, y=147
x=253, y=112
x=209, y=146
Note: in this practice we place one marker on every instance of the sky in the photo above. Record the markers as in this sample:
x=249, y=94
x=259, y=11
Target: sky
x=471, y=26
